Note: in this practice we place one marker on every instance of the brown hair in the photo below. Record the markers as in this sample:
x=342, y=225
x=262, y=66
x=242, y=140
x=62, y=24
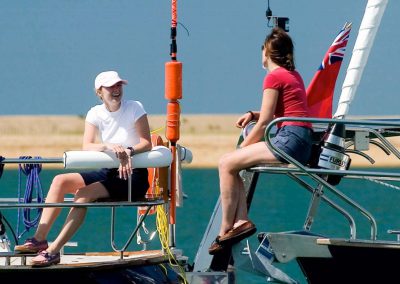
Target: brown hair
x=278, y=46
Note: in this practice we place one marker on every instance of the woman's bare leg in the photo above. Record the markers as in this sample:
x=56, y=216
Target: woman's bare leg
x=241, y=210
x=233, y=196
x=229, y=193
x=61, y=185
x=76, y=216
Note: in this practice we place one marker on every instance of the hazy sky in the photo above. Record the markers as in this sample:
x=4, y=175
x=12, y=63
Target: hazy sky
x=51, y=51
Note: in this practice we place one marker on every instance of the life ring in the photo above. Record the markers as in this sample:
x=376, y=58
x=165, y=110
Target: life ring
x=157, y=179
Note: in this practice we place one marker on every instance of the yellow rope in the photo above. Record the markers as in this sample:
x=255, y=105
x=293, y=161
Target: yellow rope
x=156, y=130
x=163, y=233
x=163, y=268
x=163, y=227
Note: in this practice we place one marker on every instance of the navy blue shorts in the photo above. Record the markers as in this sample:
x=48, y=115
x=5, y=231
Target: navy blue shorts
x=118, y=188
x=296, y=141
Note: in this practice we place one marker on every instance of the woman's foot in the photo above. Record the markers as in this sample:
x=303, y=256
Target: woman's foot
x=236, y=234
x=44, y=258
x=215, y=247
x=31, y=245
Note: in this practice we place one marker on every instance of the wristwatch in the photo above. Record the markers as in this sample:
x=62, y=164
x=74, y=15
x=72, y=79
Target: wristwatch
x=132, y=150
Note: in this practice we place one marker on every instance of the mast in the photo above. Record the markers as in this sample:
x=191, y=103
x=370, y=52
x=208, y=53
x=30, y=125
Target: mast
x=173, y=93
x=362, y=47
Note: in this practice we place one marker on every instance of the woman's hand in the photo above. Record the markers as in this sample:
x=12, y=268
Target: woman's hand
x=244, y=119
x=125, y=161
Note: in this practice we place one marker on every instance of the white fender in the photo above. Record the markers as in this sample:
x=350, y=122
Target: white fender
x=186, y=155
x=159, y=156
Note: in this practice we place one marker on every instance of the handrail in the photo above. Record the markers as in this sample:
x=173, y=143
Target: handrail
x=129, y=202
x=350, y=219
x=325, y=171
x=81, y=205
x=313, y=174
x=133, y=233
x=386, y=143
x=5, y=203
x=32, y=161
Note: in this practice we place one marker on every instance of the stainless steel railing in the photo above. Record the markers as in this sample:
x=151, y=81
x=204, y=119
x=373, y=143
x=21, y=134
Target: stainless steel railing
x=316, y=174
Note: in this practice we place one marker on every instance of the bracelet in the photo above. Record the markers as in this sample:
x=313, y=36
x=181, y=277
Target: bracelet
x=252, y=114
x=132, y=150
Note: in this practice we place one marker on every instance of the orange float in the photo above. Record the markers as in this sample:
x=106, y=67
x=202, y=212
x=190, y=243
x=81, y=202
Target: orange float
x=173, y=80
x=173, y=121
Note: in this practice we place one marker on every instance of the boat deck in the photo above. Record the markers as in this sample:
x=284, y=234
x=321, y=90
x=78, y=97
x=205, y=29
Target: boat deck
x=358, y=243
x=10, y=261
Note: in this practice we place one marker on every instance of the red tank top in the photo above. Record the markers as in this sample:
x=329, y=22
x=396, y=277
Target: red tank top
x=292, y=101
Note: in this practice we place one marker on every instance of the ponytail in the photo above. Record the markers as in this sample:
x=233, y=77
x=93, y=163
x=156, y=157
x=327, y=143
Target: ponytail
x=280, y=49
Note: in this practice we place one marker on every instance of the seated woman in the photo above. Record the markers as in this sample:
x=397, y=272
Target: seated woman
x=124, y=129
x=284, y=95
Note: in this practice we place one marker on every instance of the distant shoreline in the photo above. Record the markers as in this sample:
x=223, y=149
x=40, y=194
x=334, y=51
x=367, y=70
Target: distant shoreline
x=208, y=136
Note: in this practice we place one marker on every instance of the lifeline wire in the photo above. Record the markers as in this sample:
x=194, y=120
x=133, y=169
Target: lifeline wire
x=32, y=184
x=382, y=183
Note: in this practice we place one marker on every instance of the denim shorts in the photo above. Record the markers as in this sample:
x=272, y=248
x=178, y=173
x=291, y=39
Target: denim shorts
x=118, y=188
x=296, y=141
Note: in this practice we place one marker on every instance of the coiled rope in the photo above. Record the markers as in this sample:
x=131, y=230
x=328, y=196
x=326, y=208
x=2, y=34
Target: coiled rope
x=163, y=233
x=32, y=186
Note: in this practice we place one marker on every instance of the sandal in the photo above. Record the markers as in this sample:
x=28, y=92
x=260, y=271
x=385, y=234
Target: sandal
x=45, y=259
x=31, y=245
x=215, y=247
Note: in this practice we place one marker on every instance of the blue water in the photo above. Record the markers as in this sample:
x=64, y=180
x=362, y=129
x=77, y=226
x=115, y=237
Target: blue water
x=278, y=205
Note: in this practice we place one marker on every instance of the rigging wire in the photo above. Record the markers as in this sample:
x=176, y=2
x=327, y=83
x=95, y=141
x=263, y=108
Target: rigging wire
x=174, y=22
x=174, y=14
x=186, y=29
x=382, y=183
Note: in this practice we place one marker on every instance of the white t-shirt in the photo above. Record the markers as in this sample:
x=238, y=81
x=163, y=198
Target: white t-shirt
x=117, y=127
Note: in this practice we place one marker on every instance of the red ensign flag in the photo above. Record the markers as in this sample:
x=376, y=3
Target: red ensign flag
x=322, y=86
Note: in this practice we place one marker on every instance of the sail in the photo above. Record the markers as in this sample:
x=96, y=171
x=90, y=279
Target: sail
x=321, y=89
x=366, y=35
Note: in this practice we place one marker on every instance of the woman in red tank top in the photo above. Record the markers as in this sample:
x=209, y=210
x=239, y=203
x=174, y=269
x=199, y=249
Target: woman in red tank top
x=283, y=96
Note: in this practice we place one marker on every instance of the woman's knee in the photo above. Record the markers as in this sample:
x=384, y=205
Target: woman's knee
x=226, y=164
x=66, y=183
x=58, y=183
x=62, y=180
x=223, y=163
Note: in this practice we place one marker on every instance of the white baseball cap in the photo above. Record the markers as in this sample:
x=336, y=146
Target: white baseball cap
x=108, y=79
